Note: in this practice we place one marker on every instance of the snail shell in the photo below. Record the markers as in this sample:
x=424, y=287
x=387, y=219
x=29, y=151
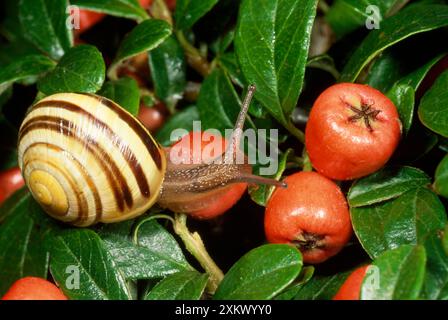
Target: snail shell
x=85, y=159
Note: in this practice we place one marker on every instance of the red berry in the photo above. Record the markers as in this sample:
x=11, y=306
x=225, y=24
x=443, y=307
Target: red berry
x=171, y=4
x=153, y=117
x=352, y=131
x=351, y=288
x=32, y=288
x=311, y=213
x=10, y=181
x=202, y=147
x=88, y=19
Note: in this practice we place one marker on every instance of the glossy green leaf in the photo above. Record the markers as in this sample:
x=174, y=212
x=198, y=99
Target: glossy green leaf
x=324, y=62
x=388, y=183
x=441, y=178
x=385, y=71
x=403, y=97
x=80, y=252
x=11, y=27
x=185, y=285
x=125, y=92
x=261, y=273
x=130, y=9
x=400, y=275
x=418, y=19
x=230, y=65
x=223, y=43
x=181, y=120
x=408, y=219
x=168, y=69
x=322, y=287
x=433, y=109
x=81, y=69
x=146, y=36
x=272, y=41
x=30, y=66
x=21, y=238
x=189, y=11
x=261, y=194
x=17, y=202
x=156, y=255
x=345, y=16
x=415, y=78
x=44, y=24
x=218, y=102
x=436, y=277
x=402, y=93
x=292, y=290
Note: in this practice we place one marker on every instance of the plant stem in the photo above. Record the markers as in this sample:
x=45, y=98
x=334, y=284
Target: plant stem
x=323, y=6
x=159, y=10
x=195, y=246
x=194, y=57
x=296, y=132
x=307, y=166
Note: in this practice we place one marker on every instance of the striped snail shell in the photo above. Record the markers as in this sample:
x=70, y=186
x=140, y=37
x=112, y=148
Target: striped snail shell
x=87, y=160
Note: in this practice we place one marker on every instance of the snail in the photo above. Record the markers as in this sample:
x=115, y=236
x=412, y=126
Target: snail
x=85, y=160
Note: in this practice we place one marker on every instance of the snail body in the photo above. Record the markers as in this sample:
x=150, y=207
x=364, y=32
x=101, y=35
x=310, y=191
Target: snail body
x=87, y=160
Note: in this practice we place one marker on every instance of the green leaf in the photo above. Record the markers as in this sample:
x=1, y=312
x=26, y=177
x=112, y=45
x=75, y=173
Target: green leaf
x=385, y=71
x=292, y=290
x=433, y=109
x=272, y=41
x=223, y=42
x=130, y=9
x=185, y=285
x=402, y=93
x=436, y=277
x=441, y=178
x=230, y=65
x=409, y=219
x=188, y=12
x=400, y=273
x=218, y=102
x=409, y=21
x=44, y=24
x=147, y=36
x=30, y=66
x=324, y=62
x=17, y=202
x=261, y=273
x=81, y=69
x=181, y=120
x=415, y=78
x=403, y=97
x=157, y=254
x=168, y=68
x=125, y=92
x=345, y=16
x=21, y=250
x=322, y=287
x=82, y=250
x=11, y=27
x=388, y=183
x=261, y=194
